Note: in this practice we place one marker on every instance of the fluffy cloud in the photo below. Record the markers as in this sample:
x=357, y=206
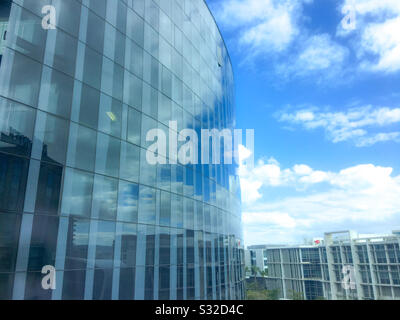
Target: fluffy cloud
x=265, y=25
x=357, y=124
x=318, y=54
x=377, y=22
x=329, y=201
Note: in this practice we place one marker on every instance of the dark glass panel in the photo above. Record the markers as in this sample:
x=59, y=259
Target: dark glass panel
x=149, y=284
x=33, y=288
x=49, y=186
x=43, y=242
x=102, y=286
x=127, y=284
x=165, y=247
x=13, y=177
x=128, y=245
x=77, y=244
x=9, y=233
x=74, y=285
x=16, y=127
x=164, y=283
x=6, y=285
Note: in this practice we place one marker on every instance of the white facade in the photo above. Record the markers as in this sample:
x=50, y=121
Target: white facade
x=343, y=266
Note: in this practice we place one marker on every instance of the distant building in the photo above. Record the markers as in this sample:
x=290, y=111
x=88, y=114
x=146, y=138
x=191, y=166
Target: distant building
x=344, y=266
x=256, y=256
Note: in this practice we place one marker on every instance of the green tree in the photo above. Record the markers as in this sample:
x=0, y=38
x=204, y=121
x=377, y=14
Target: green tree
x=296, y=295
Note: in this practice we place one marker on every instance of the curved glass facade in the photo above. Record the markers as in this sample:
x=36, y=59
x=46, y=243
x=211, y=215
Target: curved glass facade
x=76, y=191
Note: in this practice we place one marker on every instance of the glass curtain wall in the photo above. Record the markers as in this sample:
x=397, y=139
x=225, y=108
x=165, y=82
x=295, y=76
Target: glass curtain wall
x=76, y=191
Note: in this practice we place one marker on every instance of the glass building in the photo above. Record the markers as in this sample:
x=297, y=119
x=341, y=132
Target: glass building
x=76, y=191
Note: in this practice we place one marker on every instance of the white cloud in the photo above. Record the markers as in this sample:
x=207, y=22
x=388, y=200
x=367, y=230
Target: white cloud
x=356, y=196
x=265, y=25
x=270, y=174
x=380, y=137
x=356, y=124
x=377, y=22
x=318, y=54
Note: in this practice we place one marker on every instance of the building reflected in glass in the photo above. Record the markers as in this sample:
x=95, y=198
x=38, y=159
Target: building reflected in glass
x=76, y=191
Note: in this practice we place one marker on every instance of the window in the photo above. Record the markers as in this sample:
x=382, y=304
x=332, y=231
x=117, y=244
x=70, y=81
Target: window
x=82, y=147
x=61, y=50
x=48, y=190
x=128, y=237
x=130, y=161
x=51, y=134
x=9, y=231
x=165, y=209
x=43, y=242
x=56, y=92
x=77, y=194
x=107, y=155
x=128, y=199
x=16, y=126
x=134, y=126
x=85, y=109
x=105, y=198
x=13, y=177
x=23, y=81
x=147, y=205
x=110, y=119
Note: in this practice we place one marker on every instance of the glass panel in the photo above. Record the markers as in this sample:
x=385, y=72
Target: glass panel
x=165, y=246
x=48, y=190
x=86, y=105
x=132, y=91
x=105, y=240
x=56, y=92
x=165, y=209
x=128, y=245
x=52, y=132
x=130, y=162
x=105, y=197
x=9, y=235
x=107, y=155
x=26, y=34
x=74, y=285
x=24, y=79
x=127, y=284
x=128, y=202
x=6, y=283
x=82, y=147
x=77, y=244
x=150, y=101
x=68, y=22
x=16, y=126
x=110, y=119
x=147, y=205
x=92, y=70
x=13, y=177
x=134, y=126
x=43, y=242
x=77, y=194
x=95, y=29
x=63, y=54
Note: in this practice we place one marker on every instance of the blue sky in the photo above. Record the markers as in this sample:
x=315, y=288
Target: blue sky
x=324, y=103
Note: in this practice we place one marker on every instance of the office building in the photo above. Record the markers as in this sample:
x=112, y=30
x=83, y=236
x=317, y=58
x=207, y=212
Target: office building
x=76, y=189
x=345, y=266
x=255, y=258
